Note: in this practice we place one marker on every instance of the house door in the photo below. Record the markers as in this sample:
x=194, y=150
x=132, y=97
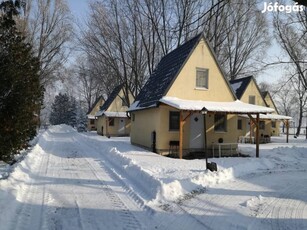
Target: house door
x=121, y=126
x=197, y=131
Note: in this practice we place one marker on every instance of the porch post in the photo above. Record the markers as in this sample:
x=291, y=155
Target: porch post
x=205, y=139
x=287, y=125
x=107, y=126
x=181, y=134
x=257, y=135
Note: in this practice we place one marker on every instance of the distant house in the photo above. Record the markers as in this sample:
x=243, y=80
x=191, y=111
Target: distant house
x=91, y=119
x=112, y=118
x=247, y=90
x=187, y=104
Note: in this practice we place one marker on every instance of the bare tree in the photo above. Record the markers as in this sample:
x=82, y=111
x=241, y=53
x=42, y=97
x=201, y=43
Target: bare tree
x=114, y=46
x=291, y=33
x=88, y=84
x=48, y=26
x=238, y=33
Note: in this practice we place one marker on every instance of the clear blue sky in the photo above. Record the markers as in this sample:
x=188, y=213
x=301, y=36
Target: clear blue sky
x=79, y=8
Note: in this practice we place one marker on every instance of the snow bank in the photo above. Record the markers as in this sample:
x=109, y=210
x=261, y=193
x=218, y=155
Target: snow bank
x=167, y=179
x=61, y=129
x=157, y=179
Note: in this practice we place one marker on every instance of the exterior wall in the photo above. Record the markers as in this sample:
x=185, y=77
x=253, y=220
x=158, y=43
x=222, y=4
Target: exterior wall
x=106, y=130
x=231, y=134
x=143, y=123
x=91, y=126
x=157, y=119
x=252, y=90
x=184, y=86
x=101, y=122
x=270, y=103
x=116, y=105
x=93, y=112
x=274, y=131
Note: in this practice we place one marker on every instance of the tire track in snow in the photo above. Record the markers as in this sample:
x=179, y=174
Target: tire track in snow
x=100, y=172
x=280, y=209
x=111, y=170
x=69, y=166
x=273, y=209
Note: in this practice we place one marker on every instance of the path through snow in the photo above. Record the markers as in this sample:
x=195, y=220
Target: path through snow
x=85, y=181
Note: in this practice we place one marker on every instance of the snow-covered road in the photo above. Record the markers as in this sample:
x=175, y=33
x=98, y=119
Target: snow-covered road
x=85, y=181
x=254, y=202
x=64, y=184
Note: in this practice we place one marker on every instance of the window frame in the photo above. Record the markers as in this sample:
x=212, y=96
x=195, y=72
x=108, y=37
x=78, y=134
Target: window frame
x=206, y=78
x=111, y=121
x=217, y=127
x=261, y=125
x=240, y=124
x=172, y=126
x=253, y=97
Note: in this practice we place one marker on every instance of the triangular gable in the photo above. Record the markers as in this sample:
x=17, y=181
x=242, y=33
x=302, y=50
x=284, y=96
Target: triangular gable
x=110, y=100
x=166, y=73
x=269, y=100
x=239, y=85
x=184, y=85
x=96, y=106
x=249, y=87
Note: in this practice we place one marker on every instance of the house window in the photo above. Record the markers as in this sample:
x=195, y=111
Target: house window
x=262, y=125
x=111, y=121
x=252, y=100
x=239, y=125
x=273, y=124
x=92, y=121
x=174, y=121
x=202, y=78
x=220, y=122
x=133, y=116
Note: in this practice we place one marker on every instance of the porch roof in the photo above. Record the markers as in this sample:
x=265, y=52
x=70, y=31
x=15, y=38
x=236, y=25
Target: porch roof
x=235, y=107
x=115, y=114
x=89, y=116
x=111, y=114
x=272, y=117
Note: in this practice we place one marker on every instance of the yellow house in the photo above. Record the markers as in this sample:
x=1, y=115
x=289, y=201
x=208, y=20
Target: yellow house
x=187, y=104
x=112, y=118
x=275, y=123
x=91, y=119
x=247, y=90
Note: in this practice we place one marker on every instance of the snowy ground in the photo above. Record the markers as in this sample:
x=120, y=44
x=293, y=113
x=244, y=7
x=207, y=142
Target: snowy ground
x=71, y=180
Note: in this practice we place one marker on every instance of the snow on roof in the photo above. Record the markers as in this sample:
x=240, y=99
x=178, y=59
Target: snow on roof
x=89, y=116
x=272, y=117
x=136, y=106
x=110, y=114
x=99, y=113
x=211, y=106
x=115, y=114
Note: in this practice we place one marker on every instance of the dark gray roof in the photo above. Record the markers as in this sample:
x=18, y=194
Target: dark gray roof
x=239, y=85
x=164, y=74
x=111, y=98
x=94, y=104
x=267, y=93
